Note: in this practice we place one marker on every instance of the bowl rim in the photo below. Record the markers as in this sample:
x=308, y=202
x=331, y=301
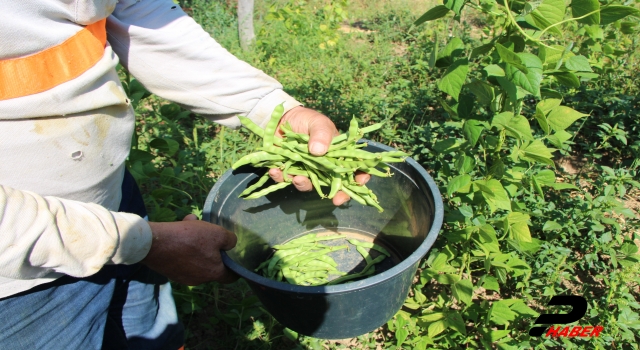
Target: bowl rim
x=405, y=264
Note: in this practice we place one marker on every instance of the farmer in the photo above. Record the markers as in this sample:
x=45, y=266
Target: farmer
x=80, y=267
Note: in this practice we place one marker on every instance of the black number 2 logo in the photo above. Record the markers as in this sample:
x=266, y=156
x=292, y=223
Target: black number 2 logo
x=579, y=309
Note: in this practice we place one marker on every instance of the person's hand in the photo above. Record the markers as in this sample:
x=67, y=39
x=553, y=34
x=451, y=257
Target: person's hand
x=188, y=251
x=321, y=131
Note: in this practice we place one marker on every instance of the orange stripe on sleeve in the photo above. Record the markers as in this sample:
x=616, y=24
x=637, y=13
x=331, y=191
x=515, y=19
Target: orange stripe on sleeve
x=49, y=68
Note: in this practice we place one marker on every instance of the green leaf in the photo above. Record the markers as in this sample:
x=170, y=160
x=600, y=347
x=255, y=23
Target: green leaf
x=481, y=50
x=536, y=151
x=511, y=58
x=520, y=232
x=551, y=226
x=541, y=118
x=613, y=13
x=518, y=226
x=453, y=113
x=529, y=81
x=472, y=130
x=457, y=183
x=434, y=53
x=563, y=186
x=466, y=103
x=628, y=28
x=510, y=88
x=549, y=12
x=580, y=8
x=439, y=261
x=436, y=328
x=545, y=106
x=493, y=70
x=567, y=79
x=494, y=194
x=432, y=317
x=559, y=138
x=546, y=177
x=518, y=126
x=463, y=291
x=629, y=249
x=453, y=49
x=447, y=278
x=594, y=32
x=523, y=309
x=499, y=334
x=456, y=322
x=501, y=313
x=578, y=63
x=455, y=5
x=466, y=211
x=434, y=13
x=484, y=92
x=445, y=146
x=491, y=283
x=465, y=164
x=168, y=146
x=551, y=55
x=489, y=238
x=454, y=78
x=561, y=117
x=136, y=155
x=401, y=336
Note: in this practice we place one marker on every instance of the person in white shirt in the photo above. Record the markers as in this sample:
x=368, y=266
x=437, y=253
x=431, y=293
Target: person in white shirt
x=76, y=261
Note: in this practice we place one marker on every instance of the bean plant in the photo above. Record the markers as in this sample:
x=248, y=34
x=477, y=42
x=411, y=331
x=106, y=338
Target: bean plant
x=505, y=97
x=492, y=98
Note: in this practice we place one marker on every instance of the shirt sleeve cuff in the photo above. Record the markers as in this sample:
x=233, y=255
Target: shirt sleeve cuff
x=261, y=113
x=135, y=239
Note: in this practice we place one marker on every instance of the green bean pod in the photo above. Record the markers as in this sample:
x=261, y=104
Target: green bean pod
x=370, y=128
x=315, y=182
x=356, y=153
x=251, y=126
x=336, y=183
x=255, y=158
x=263, y=179
x=365, y=254
x=369, y=245
x=270, y=129
x=353, y=196
x=268, y=190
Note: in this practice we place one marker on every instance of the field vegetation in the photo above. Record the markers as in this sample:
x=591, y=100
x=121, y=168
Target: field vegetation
x=526, y=113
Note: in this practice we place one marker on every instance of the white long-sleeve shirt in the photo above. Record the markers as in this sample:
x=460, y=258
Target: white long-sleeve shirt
x=62, y=151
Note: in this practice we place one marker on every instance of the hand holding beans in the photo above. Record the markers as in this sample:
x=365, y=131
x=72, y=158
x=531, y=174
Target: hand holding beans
x=321, y=131
x=316, y=157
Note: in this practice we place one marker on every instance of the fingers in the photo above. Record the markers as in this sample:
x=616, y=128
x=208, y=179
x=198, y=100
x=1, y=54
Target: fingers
x=319, y=127
x=190, y=217
x=276, y=175
x=321, y=132
x=362, y=178
x=225, y=275
x=340, y=198
x=301, y=183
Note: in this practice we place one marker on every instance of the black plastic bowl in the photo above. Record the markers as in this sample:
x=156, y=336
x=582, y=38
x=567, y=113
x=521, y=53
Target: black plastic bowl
x=408, y=227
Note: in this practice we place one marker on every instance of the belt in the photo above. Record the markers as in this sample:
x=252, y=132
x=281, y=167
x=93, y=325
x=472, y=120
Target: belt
x=49, y=68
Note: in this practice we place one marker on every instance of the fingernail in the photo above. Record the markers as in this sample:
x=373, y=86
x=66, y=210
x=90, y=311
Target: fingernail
x=317, y=148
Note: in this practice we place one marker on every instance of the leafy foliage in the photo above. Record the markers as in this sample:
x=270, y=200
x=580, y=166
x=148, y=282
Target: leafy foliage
x=491, y=97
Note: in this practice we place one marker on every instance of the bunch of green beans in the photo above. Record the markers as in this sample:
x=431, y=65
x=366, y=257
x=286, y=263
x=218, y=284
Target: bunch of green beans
x=336, y=169
x=305, y=261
